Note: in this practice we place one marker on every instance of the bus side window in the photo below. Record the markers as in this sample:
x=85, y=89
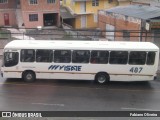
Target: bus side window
x=27, y=55
x=44, y=56
x=62, y=56
x=118, y=57
x=99, y=57
x=137, y=58
x=80, y=56
x=151, y=58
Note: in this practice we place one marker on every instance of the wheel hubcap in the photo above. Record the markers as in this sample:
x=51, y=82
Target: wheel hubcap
x=29, y=76
x=101, y=79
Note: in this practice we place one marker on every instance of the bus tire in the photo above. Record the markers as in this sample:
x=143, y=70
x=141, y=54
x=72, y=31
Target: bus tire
x=102, y=78
x=29, y=76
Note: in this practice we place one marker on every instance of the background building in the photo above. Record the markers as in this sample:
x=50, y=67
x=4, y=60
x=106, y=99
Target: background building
x=155, y=3
x=40, y=13
x=85, y=11
x=29, y=13
x=131, y=23
x=8, y=13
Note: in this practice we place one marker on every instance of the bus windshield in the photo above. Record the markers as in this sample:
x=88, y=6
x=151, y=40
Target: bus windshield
x=10, y=59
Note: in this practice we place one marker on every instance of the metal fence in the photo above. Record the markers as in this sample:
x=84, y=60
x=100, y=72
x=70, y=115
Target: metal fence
x=79, y=34
x=1, y=57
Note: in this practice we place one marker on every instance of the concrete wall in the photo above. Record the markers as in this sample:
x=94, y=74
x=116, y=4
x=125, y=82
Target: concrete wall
x=120, y=24
x=12, y=17
x=8, y=8
x=40, y=8
x=10, y=5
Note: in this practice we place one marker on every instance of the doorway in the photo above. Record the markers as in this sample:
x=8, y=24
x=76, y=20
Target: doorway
x=83, y=21
x=6, y=19
x=50, y=19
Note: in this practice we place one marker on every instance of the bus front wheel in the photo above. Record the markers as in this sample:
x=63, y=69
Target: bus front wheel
x=29, y=76
x=102, y=78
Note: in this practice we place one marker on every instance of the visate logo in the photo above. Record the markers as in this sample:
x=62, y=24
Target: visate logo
x=65, y=67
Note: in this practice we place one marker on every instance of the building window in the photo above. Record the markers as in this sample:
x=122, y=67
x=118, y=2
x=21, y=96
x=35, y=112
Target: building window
x=109, y=1
x=32, y=2
x=126, y=35
x=51, y=1
x=95, y=2
x=72, y=3
x=33, y=17
x=95, y=18
x=3, y=1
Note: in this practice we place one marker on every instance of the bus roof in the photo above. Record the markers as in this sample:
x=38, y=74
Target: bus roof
x=80, y=45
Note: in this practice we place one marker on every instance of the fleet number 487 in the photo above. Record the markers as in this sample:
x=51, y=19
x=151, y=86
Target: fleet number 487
x=136, y=69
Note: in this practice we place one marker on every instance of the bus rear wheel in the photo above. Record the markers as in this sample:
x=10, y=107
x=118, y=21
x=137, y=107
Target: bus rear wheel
x=29, y=76
x=102, y=78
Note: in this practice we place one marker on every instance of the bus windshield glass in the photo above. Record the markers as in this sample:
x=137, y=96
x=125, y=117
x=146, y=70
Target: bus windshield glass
x=10, y=59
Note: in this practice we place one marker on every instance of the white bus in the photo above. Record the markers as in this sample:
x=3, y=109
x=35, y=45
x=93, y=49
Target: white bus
x=101, y=61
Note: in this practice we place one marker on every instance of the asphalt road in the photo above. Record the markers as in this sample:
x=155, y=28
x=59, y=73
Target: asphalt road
x=69, y=95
